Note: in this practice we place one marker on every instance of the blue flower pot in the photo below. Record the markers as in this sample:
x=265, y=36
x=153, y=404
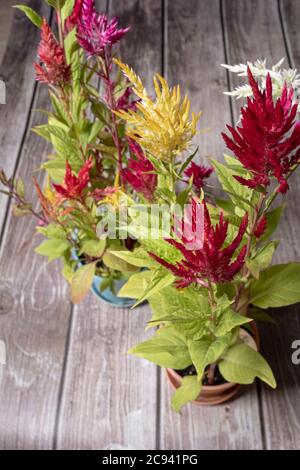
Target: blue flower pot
x=107, y=295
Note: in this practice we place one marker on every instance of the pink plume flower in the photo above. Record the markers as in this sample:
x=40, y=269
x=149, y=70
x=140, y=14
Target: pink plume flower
x=54, y=69
x=96, y=31
x=267, y=142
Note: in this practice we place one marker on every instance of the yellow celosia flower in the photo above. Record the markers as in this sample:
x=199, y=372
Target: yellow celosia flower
x=163, y=127
x=50, y=194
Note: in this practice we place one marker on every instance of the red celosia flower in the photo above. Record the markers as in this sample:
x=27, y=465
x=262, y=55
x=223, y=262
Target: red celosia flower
x=138, y=173
x=96, y=31
x=73, y=19
x=54, y=69
x=212, y=262
x=199, y=174
x=73, y=186
x=260, y=227
x=267, y=138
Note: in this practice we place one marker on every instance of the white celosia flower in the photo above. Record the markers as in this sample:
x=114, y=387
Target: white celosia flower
x=259, y=70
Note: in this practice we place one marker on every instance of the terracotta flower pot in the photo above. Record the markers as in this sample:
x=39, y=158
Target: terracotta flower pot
x=216, y=394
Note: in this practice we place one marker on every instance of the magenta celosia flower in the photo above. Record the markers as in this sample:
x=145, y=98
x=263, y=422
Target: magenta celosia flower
x=54, y=69
x=260, y=227
x=213, y=262
x=73, y=186
x=267, y=142
x=139, y=172
x=125, y=102
x=199, y=174
x=96, y=31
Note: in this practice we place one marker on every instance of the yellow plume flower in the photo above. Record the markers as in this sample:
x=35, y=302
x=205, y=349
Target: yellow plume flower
x=163, y=126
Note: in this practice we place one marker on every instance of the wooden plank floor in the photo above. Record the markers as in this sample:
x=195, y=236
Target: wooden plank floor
x=68, y=383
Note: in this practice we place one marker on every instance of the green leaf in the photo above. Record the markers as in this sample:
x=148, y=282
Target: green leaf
x=70, y=44
x=188, y=391
x=187, y=162
x=68, y=271
x=277, y=286
x=240, y=195
x=31, y=15
x=67, y=9
x=187, y=309
x=262, y=259
x=82, y=282
x=20, y=210
x=260, y=315
x=20, y=188
x=241, y=364
x=55, y=3
x=207, y=351
x=228, y=321
x=53, y=248
x=166, y=349
x=273, y=219
x=114, y=262
x=138, y=257
x=159, y=279
x=93, y=248
x=52, y=231
x=226, y=205
x=136, y=285
x=96, y=127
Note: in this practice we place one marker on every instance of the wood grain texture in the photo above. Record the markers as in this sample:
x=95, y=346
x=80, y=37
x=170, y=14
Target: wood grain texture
x=290, y=11
x=251, y=40
x=109, y=397
x=195, y=52
x=34, y=314
x=18, y=74
x=34, y=307
x=5, y=24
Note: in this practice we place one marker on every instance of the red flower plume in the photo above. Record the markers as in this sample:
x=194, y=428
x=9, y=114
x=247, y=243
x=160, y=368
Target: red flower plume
x=75, y=16
x=73, y=186
x=213, y=262
x=260, y=227
x=137, y=174
x=267, y=142
x=199, y=174
x=54, y=70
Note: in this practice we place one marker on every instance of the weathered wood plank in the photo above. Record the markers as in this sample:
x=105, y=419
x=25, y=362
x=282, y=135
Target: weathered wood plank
x=282, y=411
x=108, y=397
x=249, y=40
x=5, y=24
x=34, y=307
x=34, y=315
x=193, y=57
x=18, y=74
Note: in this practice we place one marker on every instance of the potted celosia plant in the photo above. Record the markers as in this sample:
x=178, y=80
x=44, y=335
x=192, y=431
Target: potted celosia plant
x=93, y=165
x=205, y=298
x=85, y=166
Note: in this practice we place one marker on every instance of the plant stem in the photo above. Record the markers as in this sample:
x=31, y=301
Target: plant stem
x=60, y=29
x=211, y=373
x=112, y=104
